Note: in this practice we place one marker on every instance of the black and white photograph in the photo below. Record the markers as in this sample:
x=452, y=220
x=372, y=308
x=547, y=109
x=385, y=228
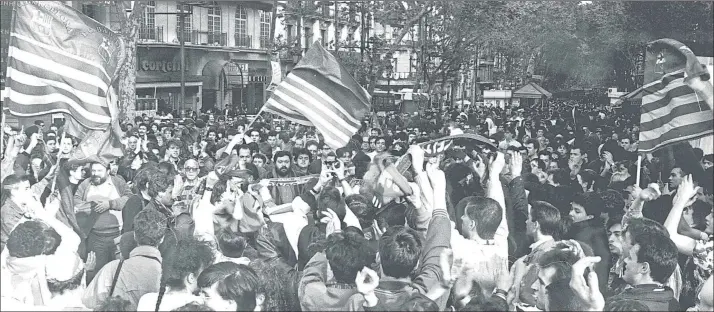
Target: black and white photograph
x=417, y=155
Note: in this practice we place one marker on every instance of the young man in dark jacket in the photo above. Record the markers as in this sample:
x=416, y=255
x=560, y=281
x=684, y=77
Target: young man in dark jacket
x=648, y=265
x=588, y=228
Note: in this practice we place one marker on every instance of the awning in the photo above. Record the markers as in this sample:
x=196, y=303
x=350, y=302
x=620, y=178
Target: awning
x=532, y=91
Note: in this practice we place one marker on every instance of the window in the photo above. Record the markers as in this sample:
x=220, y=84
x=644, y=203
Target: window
x=323, y=37
x=308, y=37
x=214, y=19
x=89, y=10
x=148, y=22
x=185, y=33
x=241, y=37
x=265, y=19
x=290, y=33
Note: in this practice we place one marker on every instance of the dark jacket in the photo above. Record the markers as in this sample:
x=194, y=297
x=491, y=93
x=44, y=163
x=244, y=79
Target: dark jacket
x=655, y=297
x=593, y=233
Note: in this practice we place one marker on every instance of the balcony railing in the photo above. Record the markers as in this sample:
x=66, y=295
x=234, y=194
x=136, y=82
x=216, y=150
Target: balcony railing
x=212, y=38
x=155, y=34
x=243, y=40
x=264, y=42
x=186, y=36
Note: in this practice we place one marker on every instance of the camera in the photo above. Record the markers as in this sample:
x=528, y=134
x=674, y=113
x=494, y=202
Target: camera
x=333, y=165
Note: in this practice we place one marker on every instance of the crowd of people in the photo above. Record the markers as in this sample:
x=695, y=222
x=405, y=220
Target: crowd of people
x=216, y=213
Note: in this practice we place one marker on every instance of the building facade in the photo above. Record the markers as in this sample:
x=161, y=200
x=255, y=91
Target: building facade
x=343, y=27
x=227, y=58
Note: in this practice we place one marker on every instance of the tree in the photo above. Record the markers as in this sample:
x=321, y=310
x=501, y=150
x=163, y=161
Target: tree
x=129, y=29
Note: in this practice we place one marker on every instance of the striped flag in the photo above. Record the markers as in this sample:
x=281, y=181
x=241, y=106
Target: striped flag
x=319, y=92
x=671, y=111
x=61, y=61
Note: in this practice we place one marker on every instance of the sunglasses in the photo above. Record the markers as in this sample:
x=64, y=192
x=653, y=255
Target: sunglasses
x=191, y=169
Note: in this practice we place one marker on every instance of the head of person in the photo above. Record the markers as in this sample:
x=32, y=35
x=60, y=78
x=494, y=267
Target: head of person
x=557, y=177
x=283, y=163
x=637, y=227
x=227, y=286
x=100, y=172
x=708, y=161
x=273, y=138
x=312, y=147
x=278, y=288
x=303, y=157
x=625, y=143
x=114, y=303
x=299, y=143
x=399, y=250
x=173, y=149
x=651, y=259
x=482, y=216
x=586, y=179
x=245, y=155
x=183, y=264
x=365, y=146
x=32, y=238
x=615, y=234
x=347, y=253
x=554, y=267
x=543, y=219
x=149, y=227
x=344, y=154
x=675, y=177
x=325, y=150
x=577, y=154
x=255, y=135
x=259, y=160
x=375, y=132
x=159, y=187
x=142, y=129
x=381, y=144
x=532, y=147
x=190, y=169
x=66, y=144
x=51, y=142
x=586, y=206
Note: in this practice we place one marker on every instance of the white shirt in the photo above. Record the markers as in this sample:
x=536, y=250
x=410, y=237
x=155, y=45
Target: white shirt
x=169, y=301
x=105, y=191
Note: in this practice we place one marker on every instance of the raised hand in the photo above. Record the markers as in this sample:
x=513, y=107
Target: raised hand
x=516, y=165
x=686, y=192
x=588, y=292
x=332, y=221
x=498, y=163
x=367, y=281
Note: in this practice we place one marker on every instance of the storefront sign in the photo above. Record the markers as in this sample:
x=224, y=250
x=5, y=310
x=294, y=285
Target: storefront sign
x=162, y=66
x=236, y=69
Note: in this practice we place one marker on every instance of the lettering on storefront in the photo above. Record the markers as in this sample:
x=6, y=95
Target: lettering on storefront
x=162, y=66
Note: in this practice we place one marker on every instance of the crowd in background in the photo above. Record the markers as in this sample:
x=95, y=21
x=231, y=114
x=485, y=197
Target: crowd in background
x=220, y=213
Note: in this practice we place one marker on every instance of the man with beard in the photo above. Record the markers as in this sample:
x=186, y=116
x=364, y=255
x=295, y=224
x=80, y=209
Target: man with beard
x=102, y=197
x=283, y=194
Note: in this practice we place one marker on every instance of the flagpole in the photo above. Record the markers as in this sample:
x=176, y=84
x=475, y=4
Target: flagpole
x=639, y=168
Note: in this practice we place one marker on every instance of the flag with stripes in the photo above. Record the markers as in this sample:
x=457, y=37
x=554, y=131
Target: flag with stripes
x=61, y=61
x=671, y=110
x=319, y=92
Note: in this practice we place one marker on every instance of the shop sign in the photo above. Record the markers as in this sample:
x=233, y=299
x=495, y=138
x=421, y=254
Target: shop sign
x=162, y=66
x=234, y=70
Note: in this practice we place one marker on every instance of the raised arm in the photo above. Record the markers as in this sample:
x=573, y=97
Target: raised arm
x=685, y=197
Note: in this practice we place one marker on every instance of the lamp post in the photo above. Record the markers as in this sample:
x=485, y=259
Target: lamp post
x=182, y=20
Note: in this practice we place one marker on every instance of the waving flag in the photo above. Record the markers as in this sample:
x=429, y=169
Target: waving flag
x=61, y=61
x=671, y=110
x=319, y=92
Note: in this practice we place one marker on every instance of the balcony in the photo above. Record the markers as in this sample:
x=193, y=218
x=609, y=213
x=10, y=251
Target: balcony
x=186, y=36
x=211, y=38
x=264, y=42
x=243, y=40
x=151, y=34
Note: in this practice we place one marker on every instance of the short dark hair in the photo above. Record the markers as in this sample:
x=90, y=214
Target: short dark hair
x=260, y=156
x=27, y=239
x=158, y=182
x=659, y=252
x=613, y=202
x=347, y=253
x=331, y=198
x=399, y=250
x=591, y=202
x=638, y=226
x=301, y=151
x=361, y=207
x=279, y=154
x=547, y=216
x=149, y=227
x=560, y=176
x=392, y=214
x=535, y=143
x=231, y=245
x=114, y=303
x=237, y=282
x=487, y=214
x=194, y=307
